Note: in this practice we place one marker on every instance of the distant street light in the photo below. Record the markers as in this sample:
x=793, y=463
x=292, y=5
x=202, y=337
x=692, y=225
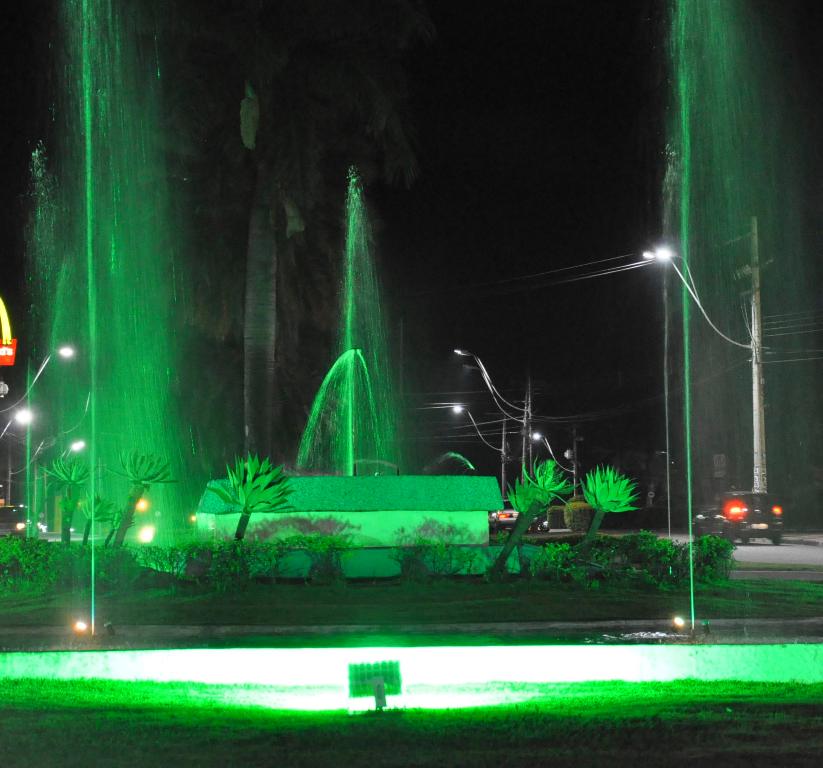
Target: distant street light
x=458, y=408
x=24, y=417
x=508, y=409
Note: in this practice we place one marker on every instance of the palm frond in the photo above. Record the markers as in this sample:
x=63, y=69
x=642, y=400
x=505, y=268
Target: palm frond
x=145, y=468
x=608, y=490
x=68, y=473
x=254, y=486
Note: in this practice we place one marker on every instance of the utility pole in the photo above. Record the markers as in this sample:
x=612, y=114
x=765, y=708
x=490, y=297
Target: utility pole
x=759, y=484
x=574, y=459
x=666, y=398
x=527, y=430
x=503, y=461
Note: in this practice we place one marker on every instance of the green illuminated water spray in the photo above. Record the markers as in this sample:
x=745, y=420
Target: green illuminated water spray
x=106, y=268
x=354, y=414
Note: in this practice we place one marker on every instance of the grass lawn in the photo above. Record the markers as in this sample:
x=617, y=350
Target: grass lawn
x=46, y=723
x=393, y=604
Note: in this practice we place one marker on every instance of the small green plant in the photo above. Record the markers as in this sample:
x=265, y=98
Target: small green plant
x=105, y=513
x=713, y=558
x=326, y=556
x=69, y=475
x=556, y=562
x=143, y=470
x=577, y=515
x=606, y=490
x=531, y=497
x=254, y=486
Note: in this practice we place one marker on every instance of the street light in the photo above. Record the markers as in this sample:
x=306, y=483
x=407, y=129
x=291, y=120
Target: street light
x=458, y=408
x=509, y=410
x=65, y=351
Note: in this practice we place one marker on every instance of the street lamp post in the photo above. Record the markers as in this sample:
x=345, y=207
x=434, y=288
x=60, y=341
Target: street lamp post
x=457, y=408
x=509, y=410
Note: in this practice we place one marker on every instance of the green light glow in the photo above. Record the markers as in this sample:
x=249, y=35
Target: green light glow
x=737, y=151
x=355, y=412
x=433, y=677
x=105, y=265
x=684, y=136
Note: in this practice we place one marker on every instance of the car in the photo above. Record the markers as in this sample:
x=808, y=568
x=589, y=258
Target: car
x=502, y=520
x=742, y=515
x=13, y=521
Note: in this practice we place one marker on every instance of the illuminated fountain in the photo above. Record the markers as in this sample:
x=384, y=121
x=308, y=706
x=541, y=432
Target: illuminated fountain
x=349, y=457
x=104, y=253
x=355, y=413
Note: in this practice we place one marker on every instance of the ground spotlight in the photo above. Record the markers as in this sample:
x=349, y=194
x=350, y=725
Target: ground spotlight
x=678, y=622
x=80, y=627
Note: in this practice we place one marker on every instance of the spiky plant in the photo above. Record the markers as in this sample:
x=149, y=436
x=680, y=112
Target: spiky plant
x=531, y=497
x=69, y=476
x=143, y=470
x=105, y=512
x=607, y=491
x=254, y=486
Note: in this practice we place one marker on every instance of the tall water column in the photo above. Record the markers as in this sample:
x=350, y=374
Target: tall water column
x=105, y=256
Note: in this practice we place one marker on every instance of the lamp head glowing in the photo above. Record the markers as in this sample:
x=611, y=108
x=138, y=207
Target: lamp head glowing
x=462, y=353
x=678, y=622
x=457, y=408
x=24, y=416
x=77, y=446
x=537, y=436
x=66, y=352
x=80, y=626
x=660, y=253
x=142, y=504
x=146, y=534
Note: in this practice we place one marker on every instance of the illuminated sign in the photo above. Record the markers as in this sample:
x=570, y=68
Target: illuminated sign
x=8, y=345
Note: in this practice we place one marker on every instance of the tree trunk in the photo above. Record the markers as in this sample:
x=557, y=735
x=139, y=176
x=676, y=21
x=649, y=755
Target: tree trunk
x=524, y=520
x=128, y=514
x=242, y=524
x=67, y=506
x=586, y=544
x=86, y=532
x=260, y=319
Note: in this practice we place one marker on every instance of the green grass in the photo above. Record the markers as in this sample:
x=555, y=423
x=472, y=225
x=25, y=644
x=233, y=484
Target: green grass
x=47, y=723
x=438, y=602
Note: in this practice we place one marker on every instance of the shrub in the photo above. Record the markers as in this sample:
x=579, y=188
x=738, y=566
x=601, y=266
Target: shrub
x=28, y=564
x=229, y=566
x=326, y=556
x=432, y=551
x=578, y=515
x=555, y=562
x=713, y=559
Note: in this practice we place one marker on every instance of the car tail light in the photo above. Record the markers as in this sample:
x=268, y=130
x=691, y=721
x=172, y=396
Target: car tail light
x=777, y=511
x=734, y=510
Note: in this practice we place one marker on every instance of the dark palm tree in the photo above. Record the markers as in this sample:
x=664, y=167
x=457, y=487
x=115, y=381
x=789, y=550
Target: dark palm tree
x=316, y=86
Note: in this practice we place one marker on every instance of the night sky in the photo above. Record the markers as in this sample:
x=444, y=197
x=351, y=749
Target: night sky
x=540, y=130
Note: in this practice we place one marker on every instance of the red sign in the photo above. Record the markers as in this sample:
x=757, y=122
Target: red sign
x=8, y=352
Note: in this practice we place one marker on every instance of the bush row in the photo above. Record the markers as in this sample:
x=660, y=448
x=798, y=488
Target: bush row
x=640, y=557
x=37, y=566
